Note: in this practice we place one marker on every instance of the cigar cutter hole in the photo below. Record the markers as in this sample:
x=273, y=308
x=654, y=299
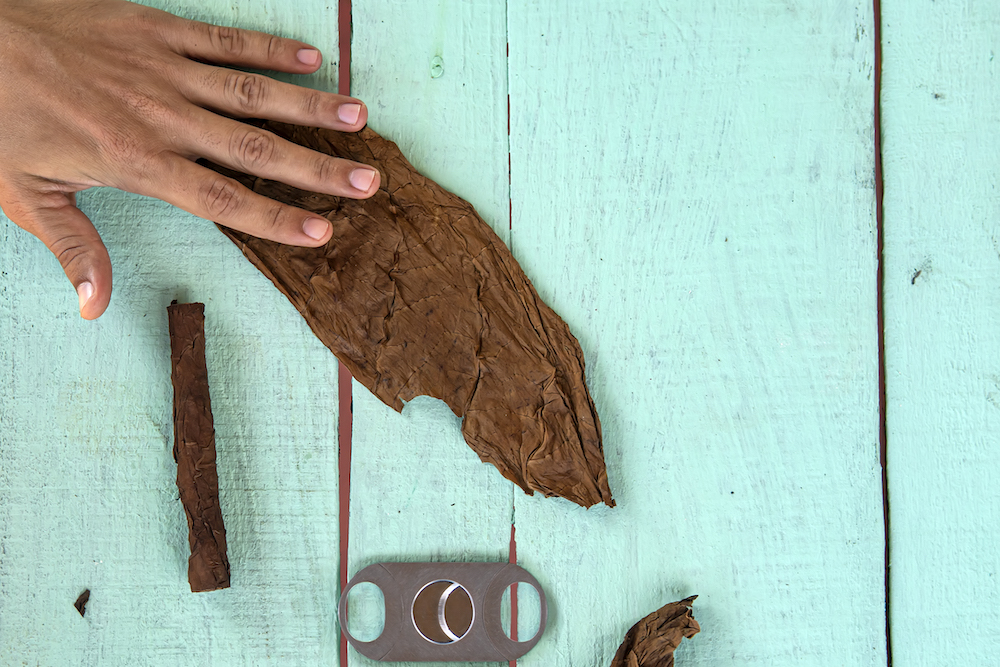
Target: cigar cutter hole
x=442, y=612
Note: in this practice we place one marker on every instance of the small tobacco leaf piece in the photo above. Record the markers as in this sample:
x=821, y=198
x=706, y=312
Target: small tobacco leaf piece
x=652, y=641
x=81, y=602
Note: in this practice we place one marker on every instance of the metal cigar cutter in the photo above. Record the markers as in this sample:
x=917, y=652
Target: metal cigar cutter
x=443, y=611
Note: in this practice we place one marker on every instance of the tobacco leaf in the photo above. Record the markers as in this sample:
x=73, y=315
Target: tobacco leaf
x=416, y=295
x=194, y=449
x=652, y=641
x=81, y=602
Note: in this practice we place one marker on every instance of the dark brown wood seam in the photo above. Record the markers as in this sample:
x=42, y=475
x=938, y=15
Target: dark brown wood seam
x=880, y=297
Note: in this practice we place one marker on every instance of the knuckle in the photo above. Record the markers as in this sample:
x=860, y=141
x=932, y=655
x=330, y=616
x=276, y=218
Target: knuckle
x=119, y=146
x=274, y=47
x=71, y=250
x=221, y=197
x=135, y=20
x=245, y=91
x=273, y=220
x=229, y=41
x=327, y=170
x=142, y=117
x=312, y=103
x=144, y=176
x=148, y=21
x=144, y=104
x=252, y=149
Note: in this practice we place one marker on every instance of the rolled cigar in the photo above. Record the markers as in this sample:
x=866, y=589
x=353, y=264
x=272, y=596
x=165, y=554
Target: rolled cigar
x=194, y=449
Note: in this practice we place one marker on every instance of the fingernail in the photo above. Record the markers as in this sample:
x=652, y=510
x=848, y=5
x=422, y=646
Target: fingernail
x=349, y=113
x=362, y=179
x=84, y=290
x=315, y=228
x=308, y=56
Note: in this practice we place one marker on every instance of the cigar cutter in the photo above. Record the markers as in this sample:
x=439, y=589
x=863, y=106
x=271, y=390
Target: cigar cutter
x=443, y=611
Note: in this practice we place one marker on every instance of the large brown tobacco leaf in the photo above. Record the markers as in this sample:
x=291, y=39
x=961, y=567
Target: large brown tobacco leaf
x=652, y=641
x=416, y=295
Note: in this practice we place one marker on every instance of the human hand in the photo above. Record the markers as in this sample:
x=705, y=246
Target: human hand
x=110, y=93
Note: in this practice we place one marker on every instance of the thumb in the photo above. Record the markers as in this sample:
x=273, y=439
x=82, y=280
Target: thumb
x=72, y=238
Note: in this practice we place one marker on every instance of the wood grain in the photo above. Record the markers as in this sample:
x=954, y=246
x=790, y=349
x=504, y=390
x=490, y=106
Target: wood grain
x=434, y=77
x=692, y=191
x=87, y=492
x=941, y=110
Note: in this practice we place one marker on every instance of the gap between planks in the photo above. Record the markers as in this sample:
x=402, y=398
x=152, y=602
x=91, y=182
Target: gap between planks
x=345, y=379
x=880, y=316
x=344, y=399
x=512, y=549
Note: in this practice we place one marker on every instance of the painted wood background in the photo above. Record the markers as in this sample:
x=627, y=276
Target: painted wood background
x=434, y=76
x=690, y=184
x=692, y=188
x=941, y=106
x=87, y=491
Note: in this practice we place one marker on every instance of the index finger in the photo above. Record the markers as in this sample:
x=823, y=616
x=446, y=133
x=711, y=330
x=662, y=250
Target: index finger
x=244, y=48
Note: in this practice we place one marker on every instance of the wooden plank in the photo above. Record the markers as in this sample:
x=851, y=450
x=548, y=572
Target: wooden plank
x=692, y=190
x=434, y=77
x=87, y=491
x=941, y=110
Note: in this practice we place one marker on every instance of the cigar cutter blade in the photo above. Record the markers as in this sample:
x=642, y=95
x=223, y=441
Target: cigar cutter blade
x=443, y=611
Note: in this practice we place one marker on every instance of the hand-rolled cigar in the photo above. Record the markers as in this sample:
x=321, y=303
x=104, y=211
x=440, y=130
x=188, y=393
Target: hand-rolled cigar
x=416, y=295
x=652, y=641
x=194, y=449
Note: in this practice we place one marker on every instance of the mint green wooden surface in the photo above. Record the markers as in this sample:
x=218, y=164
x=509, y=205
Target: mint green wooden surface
x=941, y=110
x=434, y=77
x=87, y=491
x=692, y=188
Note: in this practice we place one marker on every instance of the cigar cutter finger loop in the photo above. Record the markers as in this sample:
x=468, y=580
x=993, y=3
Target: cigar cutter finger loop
x=443, y=611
